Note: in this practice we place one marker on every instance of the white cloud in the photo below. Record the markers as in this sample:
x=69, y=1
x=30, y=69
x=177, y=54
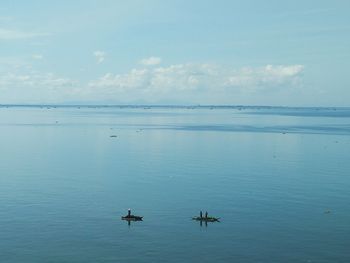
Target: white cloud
x=151, y=61
x=200, y=76
x=8, y=34
x=100, y=56
x=37, y=56
x=34, y=79
x=264, y=77
x=33, y=87
x=195, y=81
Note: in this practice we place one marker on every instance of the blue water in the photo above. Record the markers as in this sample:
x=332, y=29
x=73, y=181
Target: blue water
x=278, y=178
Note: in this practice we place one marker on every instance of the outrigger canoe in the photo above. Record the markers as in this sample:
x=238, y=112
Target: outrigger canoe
x=206, y=219
x=131, y=217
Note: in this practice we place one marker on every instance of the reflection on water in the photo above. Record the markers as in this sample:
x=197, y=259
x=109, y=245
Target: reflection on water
x=277, y=177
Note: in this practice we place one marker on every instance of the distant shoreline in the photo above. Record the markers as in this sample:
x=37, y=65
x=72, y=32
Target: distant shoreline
x=145, y=106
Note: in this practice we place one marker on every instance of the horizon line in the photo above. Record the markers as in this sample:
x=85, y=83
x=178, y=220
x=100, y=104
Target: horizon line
x=62, y=105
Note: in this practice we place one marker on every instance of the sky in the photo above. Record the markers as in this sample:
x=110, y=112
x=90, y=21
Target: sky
x=222, y=52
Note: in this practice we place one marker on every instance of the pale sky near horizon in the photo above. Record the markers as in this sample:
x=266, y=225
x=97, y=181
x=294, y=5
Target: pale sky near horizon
x=290, y=53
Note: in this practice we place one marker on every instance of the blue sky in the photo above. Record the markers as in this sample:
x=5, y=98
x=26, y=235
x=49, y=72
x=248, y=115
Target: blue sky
x=294, y=53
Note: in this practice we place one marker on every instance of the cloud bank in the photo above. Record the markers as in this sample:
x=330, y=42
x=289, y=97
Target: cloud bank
x=197, y=81
x=35, y=87
x=180, y=83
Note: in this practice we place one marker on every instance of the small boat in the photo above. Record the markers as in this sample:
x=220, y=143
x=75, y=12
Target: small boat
x=130, y=217
x=206, y=218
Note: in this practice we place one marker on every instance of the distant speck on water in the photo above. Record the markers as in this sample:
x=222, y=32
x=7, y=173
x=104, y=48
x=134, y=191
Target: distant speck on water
x=113, y=136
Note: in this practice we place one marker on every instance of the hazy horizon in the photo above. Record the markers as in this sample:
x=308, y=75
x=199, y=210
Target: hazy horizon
x=167, y=105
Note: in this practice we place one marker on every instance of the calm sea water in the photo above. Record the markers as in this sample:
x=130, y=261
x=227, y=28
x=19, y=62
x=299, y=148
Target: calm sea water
x=279, y=179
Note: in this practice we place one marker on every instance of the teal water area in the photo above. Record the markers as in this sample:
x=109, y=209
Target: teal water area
x=278, y=178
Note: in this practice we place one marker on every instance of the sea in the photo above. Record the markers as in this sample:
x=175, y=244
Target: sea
x=277, y=177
